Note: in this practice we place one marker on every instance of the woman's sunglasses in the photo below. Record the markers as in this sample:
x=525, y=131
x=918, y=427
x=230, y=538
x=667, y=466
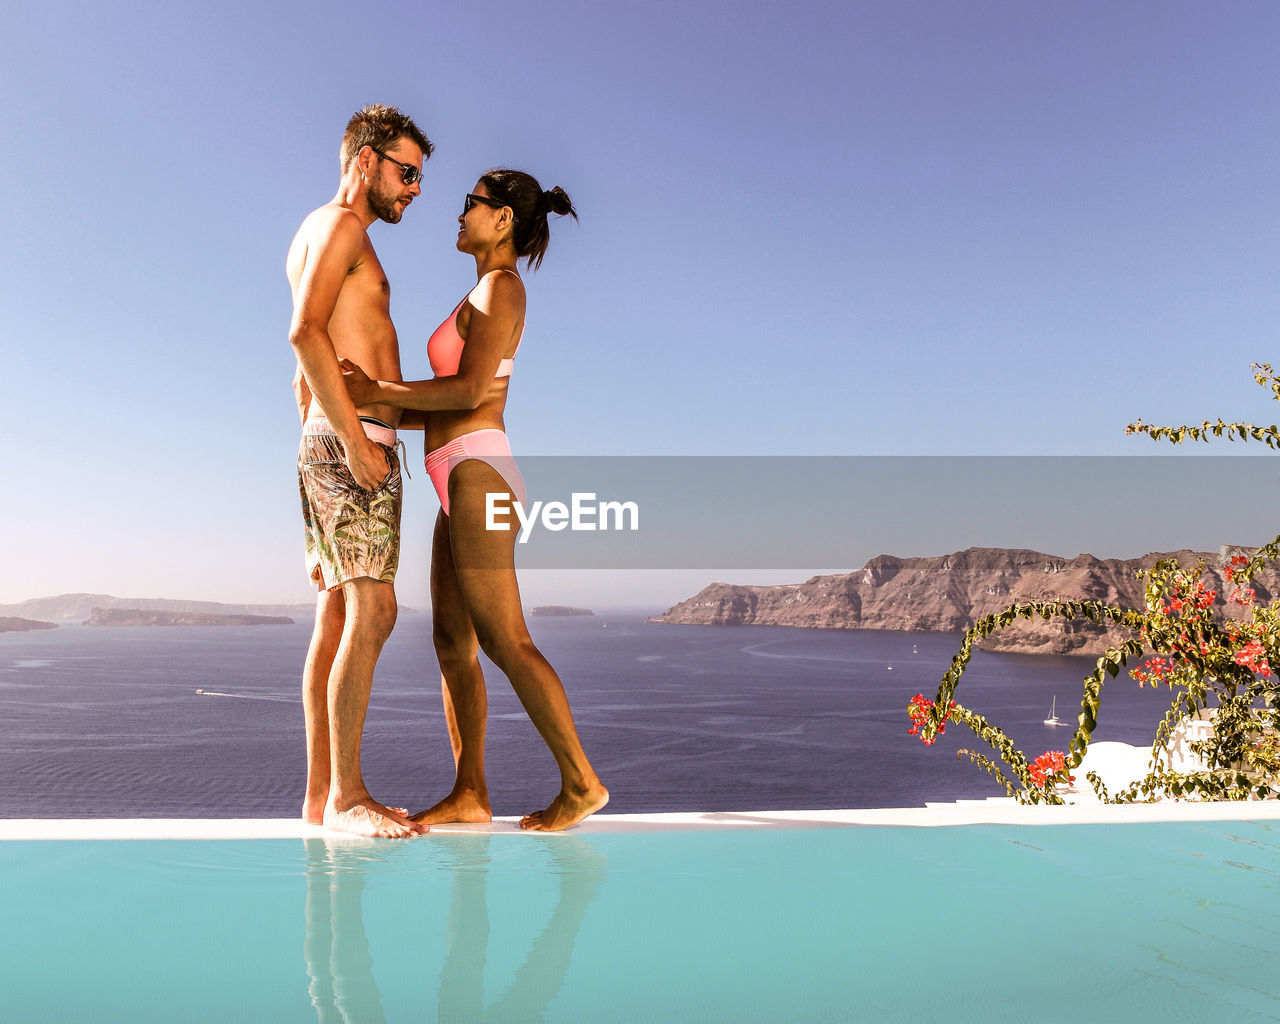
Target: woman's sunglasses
x=472, y=199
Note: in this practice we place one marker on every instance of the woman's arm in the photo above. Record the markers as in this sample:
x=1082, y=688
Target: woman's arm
x=435, y=395
x=495, y=307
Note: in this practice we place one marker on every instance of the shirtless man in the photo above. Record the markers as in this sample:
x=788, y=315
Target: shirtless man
x=348, y=470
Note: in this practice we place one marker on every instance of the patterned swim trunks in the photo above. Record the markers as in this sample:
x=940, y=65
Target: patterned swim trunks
x=349, y=532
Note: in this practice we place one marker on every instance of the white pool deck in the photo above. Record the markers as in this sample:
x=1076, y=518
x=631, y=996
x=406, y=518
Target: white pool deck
x=1117, y=764
x=977, y=812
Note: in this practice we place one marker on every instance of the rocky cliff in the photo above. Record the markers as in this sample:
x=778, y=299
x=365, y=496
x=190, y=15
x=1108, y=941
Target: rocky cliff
x=76, y=607
x=949, y=593
x=12, y=624
x=144, y=617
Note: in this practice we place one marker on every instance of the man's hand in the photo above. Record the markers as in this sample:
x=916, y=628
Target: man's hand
x=362, y=390
x=368, y=463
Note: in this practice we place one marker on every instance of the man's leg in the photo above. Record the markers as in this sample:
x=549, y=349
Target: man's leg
x=315, y=701
x=466, y=702
x=370, y=615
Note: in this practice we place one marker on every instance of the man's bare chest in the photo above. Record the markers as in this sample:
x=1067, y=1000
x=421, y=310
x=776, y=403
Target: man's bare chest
x=365, y=287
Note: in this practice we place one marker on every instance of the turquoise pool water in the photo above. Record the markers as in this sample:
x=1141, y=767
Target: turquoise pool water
x=1167, y=922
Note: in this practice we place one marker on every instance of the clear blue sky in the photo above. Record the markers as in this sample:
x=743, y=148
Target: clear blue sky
x=807, y=228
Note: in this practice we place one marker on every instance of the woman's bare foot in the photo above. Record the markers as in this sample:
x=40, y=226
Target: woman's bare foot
x=367, y=817
x=462, y=804
x=567, y=809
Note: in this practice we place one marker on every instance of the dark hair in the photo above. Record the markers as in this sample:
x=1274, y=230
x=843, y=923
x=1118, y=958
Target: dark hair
x=531, y=204
x=381, y=127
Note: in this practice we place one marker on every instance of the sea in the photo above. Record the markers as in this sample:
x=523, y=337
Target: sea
x=110, y=721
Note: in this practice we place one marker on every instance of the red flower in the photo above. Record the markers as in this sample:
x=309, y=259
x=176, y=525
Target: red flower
x=1253, y=656
x=1048, y=764
x=1154, y=671
x=921, y=709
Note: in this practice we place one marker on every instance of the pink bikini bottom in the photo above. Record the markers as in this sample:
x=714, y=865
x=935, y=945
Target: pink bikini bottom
x=488, y=446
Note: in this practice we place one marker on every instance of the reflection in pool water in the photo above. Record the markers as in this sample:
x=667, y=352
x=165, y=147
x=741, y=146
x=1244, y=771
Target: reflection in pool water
x=1157, y=921
x=336, y=945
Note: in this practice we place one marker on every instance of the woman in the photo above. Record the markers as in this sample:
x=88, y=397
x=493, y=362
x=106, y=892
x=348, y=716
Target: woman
x=474, y=596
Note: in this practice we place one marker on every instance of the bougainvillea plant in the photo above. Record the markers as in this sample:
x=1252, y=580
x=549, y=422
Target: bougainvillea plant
x=1216, y=664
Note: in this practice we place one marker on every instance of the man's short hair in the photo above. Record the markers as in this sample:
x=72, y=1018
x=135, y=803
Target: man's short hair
x=380, y=126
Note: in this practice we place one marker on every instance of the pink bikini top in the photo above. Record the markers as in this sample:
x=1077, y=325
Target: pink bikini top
x=444, y=347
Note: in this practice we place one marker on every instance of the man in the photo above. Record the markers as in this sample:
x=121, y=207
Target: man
x=348, y=471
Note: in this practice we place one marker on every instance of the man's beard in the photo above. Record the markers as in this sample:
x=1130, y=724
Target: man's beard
x=383, y=204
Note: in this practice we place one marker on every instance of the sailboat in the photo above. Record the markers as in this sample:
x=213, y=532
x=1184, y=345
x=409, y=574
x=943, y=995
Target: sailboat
x=1053, y=714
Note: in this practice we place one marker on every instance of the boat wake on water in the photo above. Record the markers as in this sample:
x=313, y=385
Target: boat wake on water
x=248, y=696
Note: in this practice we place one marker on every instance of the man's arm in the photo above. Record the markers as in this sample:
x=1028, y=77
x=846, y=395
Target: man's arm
x=301, y=394
x=334, y=247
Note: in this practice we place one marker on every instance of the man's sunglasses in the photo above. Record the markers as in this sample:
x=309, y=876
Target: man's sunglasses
x=472, y=199
x=408, y=173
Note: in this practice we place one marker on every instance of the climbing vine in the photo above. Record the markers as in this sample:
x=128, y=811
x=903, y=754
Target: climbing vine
x=1214, y=664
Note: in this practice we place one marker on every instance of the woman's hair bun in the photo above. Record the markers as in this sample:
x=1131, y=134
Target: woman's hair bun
x=531, y=204
x=557, y=201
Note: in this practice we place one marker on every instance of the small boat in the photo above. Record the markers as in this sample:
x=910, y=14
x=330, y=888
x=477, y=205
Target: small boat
x=1053, y=714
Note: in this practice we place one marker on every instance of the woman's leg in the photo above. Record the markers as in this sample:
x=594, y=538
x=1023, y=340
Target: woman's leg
x=484, y=566
x=466, y=702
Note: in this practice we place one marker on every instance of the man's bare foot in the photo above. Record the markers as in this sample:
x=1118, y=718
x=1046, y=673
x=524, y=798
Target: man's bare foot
x=463, y=804
x=313, y=809
x=367, y=817
x=567, y=809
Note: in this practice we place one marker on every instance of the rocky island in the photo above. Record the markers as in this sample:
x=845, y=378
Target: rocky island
x=145, y=617
x=77, y=607
x=13, y=624
x=948, y=593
